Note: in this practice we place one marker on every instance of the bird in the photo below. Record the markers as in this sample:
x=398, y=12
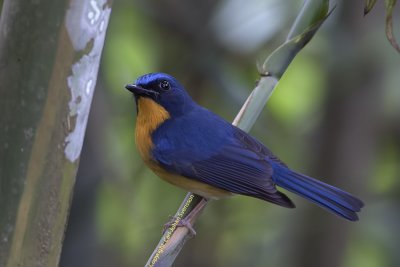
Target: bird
x=191, y=147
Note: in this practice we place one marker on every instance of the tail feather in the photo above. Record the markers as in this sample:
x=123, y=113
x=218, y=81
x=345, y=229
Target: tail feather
x=324, y=195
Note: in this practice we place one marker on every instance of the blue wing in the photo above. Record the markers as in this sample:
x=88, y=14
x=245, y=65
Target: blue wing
x=214, y=152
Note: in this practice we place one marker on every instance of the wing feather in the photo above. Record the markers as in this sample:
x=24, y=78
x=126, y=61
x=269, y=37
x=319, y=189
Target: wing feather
x=214, y=152
x=239, y=166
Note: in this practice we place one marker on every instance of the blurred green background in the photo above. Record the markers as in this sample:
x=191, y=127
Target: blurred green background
x=335, y=115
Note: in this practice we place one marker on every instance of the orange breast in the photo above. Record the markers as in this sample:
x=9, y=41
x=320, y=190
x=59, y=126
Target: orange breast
x=150, y=116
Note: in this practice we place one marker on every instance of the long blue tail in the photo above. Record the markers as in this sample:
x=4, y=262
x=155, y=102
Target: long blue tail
x=324, y=195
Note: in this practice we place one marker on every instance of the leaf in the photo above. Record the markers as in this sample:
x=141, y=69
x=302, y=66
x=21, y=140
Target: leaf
x=311, y=13
x=311, y=17
x=279, y=60
x=369, y=4
x=389, y=24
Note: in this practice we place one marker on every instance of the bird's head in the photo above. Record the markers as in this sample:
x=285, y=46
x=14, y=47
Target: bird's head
x=164, y=90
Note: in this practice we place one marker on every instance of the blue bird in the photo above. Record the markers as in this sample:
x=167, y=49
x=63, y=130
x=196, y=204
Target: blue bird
x=193, y=148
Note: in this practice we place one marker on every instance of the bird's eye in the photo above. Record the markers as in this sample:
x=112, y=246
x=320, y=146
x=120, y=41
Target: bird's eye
x=164, y=85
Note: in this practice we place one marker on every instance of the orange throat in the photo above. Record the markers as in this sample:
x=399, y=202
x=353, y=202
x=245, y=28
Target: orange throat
x=150, y=116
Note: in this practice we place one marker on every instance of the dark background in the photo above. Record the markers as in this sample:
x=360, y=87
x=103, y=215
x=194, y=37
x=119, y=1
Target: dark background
x=335, y=115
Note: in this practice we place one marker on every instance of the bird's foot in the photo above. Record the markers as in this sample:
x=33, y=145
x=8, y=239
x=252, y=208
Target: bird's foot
x=178, y=222
x=186, y=221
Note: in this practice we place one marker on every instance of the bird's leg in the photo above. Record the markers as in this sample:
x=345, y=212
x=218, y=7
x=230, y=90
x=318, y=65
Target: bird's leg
x=196, y=210
x=188, y=220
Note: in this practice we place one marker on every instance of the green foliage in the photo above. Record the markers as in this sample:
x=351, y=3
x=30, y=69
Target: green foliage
x=299, y=93
x=387, y=169
x=131, y=49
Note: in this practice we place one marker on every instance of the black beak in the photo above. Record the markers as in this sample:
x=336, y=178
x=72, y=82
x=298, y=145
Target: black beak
x=137, y=90
x=134, y=88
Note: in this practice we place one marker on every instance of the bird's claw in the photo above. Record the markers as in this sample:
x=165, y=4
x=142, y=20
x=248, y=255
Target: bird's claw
x=173, y=223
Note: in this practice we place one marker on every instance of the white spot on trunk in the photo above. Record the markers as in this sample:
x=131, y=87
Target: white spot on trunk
x=101, y=27
x=89, y=86
x=82, y=22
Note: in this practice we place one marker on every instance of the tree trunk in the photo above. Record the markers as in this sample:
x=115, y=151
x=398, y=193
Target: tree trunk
x=49, y=57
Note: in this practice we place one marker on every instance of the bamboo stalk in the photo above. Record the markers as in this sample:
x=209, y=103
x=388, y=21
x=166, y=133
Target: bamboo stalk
x=50, y=54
